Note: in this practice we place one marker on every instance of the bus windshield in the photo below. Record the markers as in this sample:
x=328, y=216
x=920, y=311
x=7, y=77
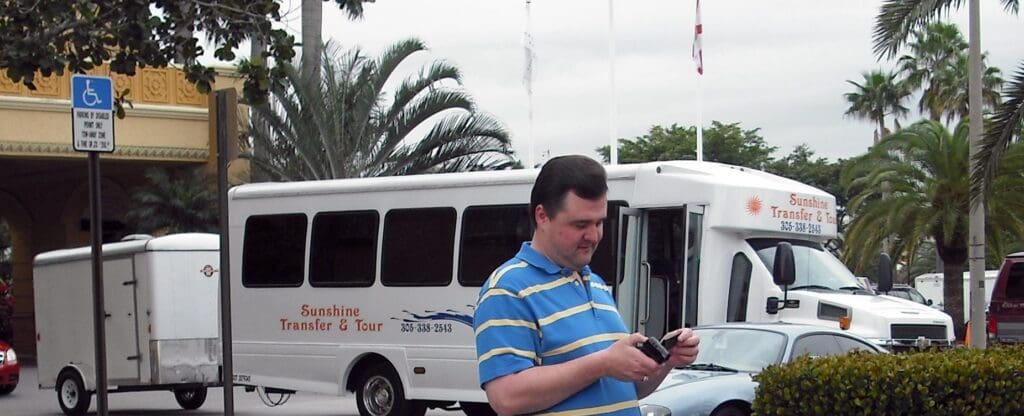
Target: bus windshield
x=816, y=268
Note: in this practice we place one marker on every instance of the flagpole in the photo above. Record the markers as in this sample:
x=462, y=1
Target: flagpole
x=612, y=105
x=698, y=59
x=528, y=84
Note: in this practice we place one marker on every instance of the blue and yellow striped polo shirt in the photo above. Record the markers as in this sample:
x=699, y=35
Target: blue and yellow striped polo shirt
x=534, y=312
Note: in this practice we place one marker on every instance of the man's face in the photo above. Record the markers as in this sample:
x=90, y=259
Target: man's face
x=571, y=236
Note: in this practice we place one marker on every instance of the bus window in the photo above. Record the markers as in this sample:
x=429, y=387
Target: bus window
x=490, y=236
x=604, y=261
x=274, y=250
x=419, y=246
x=343, y=250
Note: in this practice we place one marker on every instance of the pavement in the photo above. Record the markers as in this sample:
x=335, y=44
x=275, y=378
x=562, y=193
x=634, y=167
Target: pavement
x=28, y=400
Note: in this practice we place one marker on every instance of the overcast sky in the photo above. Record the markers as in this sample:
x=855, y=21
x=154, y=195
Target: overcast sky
x=780, y=66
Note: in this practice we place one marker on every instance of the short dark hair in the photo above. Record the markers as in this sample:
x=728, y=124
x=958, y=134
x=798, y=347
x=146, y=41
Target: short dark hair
x=579, y=174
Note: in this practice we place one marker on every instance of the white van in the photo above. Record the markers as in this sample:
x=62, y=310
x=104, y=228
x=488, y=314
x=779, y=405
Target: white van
x=161, y=298
x=931, y=287
x=369, y=285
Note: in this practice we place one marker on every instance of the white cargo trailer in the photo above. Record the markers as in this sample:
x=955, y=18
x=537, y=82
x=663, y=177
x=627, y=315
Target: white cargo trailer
x=161, y=298
x=931, y=287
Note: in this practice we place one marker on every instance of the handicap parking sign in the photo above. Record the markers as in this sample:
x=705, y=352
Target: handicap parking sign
x=92, y=106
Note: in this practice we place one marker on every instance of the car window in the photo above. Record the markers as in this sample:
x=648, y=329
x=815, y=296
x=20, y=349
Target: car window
x=899, y=294
x=916, y=296
x=816, y=345
x=847, y=344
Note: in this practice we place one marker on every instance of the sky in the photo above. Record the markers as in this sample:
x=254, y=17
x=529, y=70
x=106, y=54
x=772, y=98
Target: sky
x=779, y=66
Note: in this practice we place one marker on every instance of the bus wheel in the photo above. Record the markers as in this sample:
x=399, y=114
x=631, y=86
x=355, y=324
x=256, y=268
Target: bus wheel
x=71, y=394
x=190, y=399
x=477, y=409
x=380, y=393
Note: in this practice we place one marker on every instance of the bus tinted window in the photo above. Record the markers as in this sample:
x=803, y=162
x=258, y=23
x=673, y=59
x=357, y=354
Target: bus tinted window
x=273, y=250
x=419, y=246
x=343, y=250
x=490, y=236
x=604, y=261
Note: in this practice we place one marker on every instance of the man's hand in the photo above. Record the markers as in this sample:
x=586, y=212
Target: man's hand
x=685, y=350
x=624, y=361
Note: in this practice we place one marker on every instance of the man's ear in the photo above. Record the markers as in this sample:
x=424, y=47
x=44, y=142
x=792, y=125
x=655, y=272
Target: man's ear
x=540, y=215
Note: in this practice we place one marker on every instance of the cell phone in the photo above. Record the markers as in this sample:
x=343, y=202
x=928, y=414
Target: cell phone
x=670, y=340
x=652, y=348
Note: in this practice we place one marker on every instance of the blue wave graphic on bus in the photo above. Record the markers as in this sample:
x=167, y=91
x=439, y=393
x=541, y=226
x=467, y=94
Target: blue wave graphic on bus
x=453, y=315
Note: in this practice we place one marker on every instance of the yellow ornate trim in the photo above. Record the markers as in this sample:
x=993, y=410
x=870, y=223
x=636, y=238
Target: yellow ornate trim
x=122, y=152
x=160, y=86
x=140, y=110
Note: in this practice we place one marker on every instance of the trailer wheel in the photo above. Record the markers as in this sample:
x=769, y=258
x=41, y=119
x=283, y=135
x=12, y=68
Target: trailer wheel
x=477, y=409
x=379, y=393
x=190, y=399
x=71, y=394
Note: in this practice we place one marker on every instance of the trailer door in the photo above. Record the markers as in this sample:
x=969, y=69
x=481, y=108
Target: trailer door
x=122, y=334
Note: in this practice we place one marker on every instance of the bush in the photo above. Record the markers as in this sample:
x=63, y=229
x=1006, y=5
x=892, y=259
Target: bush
x=962, y=381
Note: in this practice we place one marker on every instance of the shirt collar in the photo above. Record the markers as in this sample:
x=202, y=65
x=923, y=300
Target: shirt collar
x=540, y=261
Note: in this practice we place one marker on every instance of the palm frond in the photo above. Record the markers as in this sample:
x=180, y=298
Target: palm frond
x=897, y=19
x=1006, y=124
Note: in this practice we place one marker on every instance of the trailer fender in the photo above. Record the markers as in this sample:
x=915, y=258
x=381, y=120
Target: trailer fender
x=85, y=371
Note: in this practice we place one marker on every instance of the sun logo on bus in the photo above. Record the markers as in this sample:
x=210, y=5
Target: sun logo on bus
x=754, y=206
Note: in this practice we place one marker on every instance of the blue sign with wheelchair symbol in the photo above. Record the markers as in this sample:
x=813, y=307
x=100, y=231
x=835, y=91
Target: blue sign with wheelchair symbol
x=92, y=92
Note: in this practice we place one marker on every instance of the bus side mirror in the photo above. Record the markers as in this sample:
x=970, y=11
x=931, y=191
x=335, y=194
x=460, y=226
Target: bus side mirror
x=884, y=273
x=784, y=271
x=784, y=274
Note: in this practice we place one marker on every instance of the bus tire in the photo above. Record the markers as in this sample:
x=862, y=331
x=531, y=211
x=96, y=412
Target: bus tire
x=477, y=409
x=379, y=392
x=191, y=398
x=71, y=394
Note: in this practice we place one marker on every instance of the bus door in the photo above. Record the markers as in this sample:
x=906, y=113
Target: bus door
x=659, y=268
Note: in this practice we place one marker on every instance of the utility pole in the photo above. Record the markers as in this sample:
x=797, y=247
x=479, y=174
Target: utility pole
x=976, y=241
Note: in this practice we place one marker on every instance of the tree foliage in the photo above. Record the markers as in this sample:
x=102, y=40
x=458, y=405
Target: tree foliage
x=898, y=19
x=879, y=95
x=175, y=202
x=342, y=124
x=913, y=187
x=725, y=143
x=53, y=36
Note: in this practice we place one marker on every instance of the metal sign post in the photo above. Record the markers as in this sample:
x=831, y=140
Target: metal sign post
x=92, y=107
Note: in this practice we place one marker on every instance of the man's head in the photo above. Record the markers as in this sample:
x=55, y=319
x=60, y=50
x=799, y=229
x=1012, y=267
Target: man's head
x=569, y=206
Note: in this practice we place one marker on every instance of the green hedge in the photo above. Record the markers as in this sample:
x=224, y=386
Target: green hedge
x=961, y=381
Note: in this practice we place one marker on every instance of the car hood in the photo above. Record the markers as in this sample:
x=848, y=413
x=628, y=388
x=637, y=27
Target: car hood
x=689, y=392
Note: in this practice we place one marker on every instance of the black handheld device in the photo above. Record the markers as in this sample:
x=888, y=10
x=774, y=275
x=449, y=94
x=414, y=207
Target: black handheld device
x=670, y=340
x=652, y=347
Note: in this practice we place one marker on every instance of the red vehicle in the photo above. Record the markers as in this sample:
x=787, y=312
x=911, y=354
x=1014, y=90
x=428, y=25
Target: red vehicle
x=1006, y=311
x=9, y=369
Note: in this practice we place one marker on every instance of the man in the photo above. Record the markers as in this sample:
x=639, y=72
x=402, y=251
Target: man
x=549, y=337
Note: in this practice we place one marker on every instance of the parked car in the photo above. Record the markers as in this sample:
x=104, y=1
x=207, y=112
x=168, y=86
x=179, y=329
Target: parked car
x=1006, y=310
x=9, y=369
x=719, y=382
x=908, y=292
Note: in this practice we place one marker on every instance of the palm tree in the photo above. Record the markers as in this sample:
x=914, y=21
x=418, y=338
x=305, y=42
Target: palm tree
x=950, y=97
x=914, y=187
x=880, y=95
x=175, y=203
x=312, y=29
x=343, y=126
x=896, y=21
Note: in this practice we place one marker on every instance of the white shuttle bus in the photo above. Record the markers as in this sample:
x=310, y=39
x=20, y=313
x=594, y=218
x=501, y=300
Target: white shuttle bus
x=368, y=286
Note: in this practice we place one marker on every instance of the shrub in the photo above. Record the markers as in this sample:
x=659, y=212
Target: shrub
x=962, y=381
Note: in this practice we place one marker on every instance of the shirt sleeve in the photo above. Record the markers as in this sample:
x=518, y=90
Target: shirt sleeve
x=507, y=337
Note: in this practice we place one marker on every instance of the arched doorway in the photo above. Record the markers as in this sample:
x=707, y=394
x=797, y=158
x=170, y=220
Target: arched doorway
x=16, y=271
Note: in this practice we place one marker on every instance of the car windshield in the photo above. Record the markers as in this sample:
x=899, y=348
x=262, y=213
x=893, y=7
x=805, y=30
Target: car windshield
x=815, y=267
x=740, y=349
x=916, y=296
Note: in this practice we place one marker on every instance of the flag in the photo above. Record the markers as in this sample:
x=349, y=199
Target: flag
x=698, y=53
x=529, y=52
